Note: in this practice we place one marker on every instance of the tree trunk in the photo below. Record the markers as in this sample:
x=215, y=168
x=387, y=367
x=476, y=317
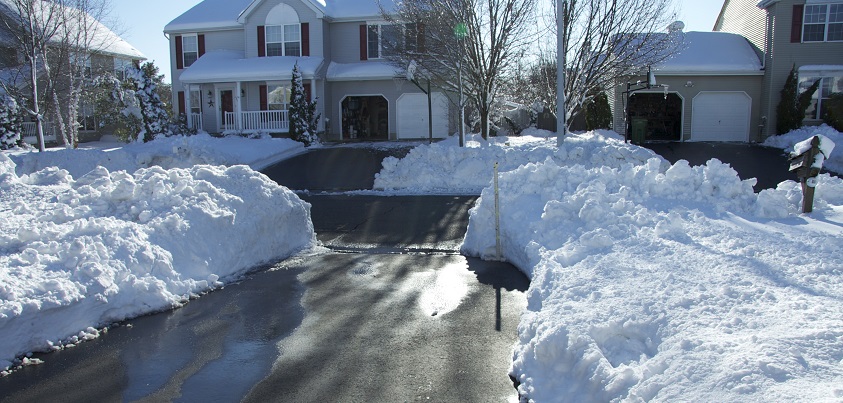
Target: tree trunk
x=39, y=125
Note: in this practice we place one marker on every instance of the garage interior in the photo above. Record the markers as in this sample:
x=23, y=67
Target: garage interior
x=365, y=118
x=659, y=117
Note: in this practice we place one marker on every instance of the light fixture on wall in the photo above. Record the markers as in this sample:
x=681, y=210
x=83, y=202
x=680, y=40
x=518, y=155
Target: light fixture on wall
x=243, y=92
x=210, y=99
x=689, y=84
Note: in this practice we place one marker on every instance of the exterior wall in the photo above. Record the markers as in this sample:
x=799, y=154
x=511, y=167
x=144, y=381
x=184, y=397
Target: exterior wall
x=784, y=55
x=214, y=40
x=345, y=42
x=780, y=55
x=745, y=18
x=751, y=85
x=306, y=14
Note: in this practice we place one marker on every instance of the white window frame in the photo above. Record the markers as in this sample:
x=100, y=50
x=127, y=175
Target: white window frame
x=195, y=101
x=121, y=65
x=823, y=20
x=821, y=95
x=185, y=51
x=282, y=106
x=284, y=39
x=375, y=46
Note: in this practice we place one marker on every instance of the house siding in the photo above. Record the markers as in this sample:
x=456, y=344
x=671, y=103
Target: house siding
x=751, y=85
x=345, y=42
x=780, y=54
x=306, y=14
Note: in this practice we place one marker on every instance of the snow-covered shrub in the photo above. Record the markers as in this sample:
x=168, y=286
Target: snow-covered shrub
x=10, y=123
x=790, y=111
x=302, y=112
x=834, y=111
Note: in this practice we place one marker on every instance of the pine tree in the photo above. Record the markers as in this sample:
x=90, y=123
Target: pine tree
x=598, y=113
x=153, y=112
x=791, y=109
x=302, y=113
x=834, y=111
x=10, y=123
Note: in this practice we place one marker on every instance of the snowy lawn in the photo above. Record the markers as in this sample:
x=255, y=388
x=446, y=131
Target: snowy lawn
x=91, y=237
x=788, y=140
x=652, y=281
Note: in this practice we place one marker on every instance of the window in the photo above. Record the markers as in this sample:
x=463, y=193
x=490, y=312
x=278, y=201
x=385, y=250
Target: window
x=277, y=97
x=382, y=40
x=283, y=40
x=190, y=49
x=828, y=86
x=823, y=23
x=195, y=102
x=86, y=117
x=121, y=66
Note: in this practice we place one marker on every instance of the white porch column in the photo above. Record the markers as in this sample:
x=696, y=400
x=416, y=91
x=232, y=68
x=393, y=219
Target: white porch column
x=187, y=106
x=238, y=107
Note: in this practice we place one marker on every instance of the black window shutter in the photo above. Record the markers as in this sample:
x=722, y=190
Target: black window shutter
x=796, y=23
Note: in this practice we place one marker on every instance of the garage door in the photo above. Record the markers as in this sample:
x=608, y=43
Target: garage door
x=721, y=116
x=412, y=116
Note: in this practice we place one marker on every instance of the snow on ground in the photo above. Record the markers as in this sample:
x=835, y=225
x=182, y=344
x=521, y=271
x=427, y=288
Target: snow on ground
x=109, y=235
x=445, y=167
x=788, y=140
x=652, y=281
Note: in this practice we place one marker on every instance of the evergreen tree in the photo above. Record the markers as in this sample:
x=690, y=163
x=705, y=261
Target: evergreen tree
x=10, y=123
x=153, y=111
x=598, y=113
x=834, y=111
x=791, y=109
x=302, y=113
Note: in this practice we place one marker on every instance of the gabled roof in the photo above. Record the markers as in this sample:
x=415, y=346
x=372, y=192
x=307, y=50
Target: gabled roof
x=232, y=66
x=228, y=14
x=712, y=53
x=104, y=40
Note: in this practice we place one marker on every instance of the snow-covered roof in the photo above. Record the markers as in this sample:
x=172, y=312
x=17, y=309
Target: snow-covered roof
x=104, y=40
x=231, y=66
x=712, y=53
x=226, y=14
x=361, y=71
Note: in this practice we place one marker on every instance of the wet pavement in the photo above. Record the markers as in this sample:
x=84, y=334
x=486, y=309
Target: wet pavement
x=391, y=312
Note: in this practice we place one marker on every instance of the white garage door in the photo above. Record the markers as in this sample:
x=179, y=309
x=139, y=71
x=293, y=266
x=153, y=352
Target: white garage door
x=721, y=116
x=412, y=116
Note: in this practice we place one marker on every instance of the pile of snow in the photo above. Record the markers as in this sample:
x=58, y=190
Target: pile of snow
x=669, y=284
x=445, y=167
x=80, y=252
x=787, y=141
x=170, y=152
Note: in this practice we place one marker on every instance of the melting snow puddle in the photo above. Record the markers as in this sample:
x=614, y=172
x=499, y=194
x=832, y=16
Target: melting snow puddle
x=446, y=289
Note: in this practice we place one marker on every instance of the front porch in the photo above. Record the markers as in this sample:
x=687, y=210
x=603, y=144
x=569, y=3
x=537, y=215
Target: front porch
x=275, y=121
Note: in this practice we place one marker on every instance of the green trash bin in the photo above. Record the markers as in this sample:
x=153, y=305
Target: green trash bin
x=639, y=130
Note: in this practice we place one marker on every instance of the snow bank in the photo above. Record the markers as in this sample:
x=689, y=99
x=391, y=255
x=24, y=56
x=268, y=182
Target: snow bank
x=444, y=167
x=669, y=284
x=787, y=141
x=171, y=152
x=76, y=254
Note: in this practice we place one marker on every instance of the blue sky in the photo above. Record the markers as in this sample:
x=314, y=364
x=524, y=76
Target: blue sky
x=141, y=22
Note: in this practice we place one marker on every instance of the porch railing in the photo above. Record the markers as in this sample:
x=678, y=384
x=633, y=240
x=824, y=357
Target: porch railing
x=196, y=121
x=30, y=132
x=255, y=121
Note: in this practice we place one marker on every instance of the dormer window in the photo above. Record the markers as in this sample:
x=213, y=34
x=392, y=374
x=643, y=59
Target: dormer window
x=822, y=23
x=283, y=40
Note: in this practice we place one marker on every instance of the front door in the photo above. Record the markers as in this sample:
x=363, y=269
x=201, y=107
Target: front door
x=227, y=107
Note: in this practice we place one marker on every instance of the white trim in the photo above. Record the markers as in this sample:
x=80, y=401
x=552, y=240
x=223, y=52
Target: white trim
x=251, y=8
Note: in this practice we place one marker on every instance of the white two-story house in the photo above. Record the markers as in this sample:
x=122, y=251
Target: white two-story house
x=232, y=62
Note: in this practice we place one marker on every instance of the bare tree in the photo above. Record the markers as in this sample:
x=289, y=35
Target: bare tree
x=495, y=35
x=32, y=24
x=605, y=41
x=58, y=39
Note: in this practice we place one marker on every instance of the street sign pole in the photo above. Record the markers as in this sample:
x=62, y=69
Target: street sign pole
x=561, y=124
